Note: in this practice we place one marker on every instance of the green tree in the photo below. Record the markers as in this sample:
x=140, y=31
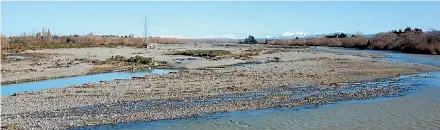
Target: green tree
x=407, y=29
x=342, y=35
x=250, y=40
x=417, y=30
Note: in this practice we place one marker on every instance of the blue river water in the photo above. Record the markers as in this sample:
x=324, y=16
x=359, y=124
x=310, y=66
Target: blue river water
x=10, y=89
x=390, y=55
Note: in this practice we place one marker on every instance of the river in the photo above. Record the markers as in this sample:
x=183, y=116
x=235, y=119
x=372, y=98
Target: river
x=417, y=108
x=10, y=89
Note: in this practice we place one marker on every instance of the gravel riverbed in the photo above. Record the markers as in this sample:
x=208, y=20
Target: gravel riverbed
x=299, y=78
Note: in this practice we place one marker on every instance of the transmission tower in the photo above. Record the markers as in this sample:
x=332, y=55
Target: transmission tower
x=146, y=37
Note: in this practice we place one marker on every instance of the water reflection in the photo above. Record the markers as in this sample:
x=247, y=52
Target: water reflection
x=14, y=56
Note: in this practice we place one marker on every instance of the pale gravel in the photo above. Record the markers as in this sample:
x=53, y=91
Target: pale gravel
x=44, y=68
x=298, y=68
x=189, y=83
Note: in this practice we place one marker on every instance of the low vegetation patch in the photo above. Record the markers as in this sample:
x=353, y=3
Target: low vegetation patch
x=18, y=47
x=201, y=53
x=136, y=59
x=254, y=51
x=247, y=54
x=119, y=62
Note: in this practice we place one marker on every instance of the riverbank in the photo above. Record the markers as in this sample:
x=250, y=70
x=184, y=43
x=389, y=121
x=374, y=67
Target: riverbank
x=414, y=108
x=410, y=41
x=205, y=88
x=49, y=64
x=24, y=70
x=69, y=62
x=14, y=89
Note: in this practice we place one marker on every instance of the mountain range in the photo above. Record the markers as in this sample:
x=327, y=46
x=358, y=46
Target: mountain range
x=285, y=35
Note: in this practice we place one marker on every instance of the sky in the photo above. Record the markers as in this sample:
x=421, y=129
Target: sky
x=205, y=19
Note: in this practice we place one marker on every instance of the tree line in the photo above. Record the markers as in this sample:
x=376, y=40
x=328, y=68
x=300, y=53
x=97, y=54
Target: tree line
x=407, y=40
x=251, y=40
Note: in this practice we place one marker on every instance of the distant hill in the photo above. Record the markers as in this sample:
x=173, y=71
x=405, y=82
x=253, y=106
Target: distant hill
x=286, y=35
x=293, y=35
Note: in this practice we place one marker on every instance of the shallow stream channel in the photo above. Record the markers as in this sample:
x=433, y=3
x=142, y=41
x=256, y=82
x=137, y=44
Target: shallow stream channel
x=410, y=102
x=9, y=89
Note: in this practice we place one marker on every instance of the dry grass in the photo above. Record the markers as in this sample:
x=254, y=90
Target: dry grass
x=247, y=54
x=333, y=42
x=84, y=39
x=272, y=51
x=4, y=43
x=23, y=47
x=411, y=42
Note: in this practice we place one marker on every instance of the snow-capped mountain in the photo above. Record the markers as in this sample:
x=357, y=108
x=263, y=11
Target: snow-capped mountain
x=217, y=37
x=177, y=37
x=289, y=35
x=294, y=34
x=201, y=37
x=285, y=35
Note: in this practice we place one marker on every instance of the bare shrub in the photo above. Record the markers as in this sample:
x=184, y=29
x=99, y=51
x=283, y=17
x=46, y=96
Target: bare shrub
x=4, y=44
x=359, y=42
x=409, y=41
